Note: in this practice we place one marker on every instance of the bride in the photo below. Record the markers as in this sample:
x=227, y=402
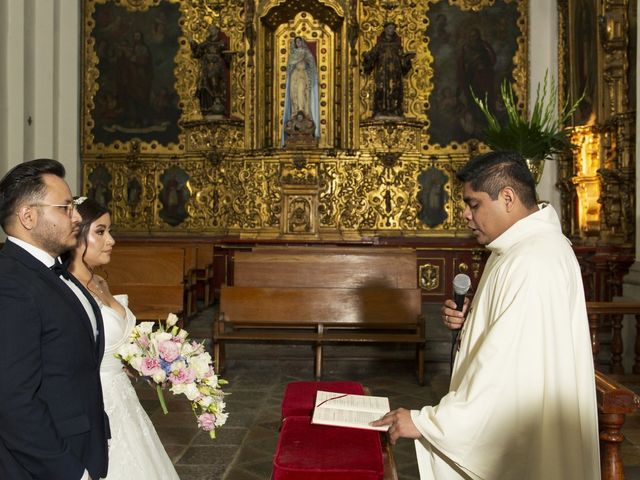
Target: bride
x=135, y=450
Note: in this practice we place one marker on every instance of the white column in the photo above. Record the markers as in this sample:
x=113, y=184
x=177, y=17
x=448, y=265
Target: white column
x=40, y=83
x=543, y=55
x=68, y=91
x=13, y=120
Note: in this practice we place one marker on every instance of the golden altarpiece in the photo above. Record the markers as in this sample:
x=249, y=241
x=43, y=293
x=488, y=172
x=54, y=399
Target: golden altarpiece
x=225, y=169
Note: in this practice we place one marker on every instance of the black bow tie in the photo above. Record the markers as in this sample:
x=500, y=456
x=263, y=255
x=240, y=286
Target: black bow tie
x=60, y=269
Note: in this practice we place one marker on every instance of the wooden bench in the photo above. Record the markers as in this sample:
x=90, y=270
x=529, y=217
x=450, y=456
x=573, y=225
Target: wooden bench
x=198, y=267
x=204, y=273
x=152, y=277
x=322, y=295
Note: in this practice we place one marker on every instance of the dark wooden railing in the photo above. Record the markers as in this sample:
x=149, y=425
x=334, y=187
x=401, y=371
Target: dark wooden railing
x=615, y=401
x=614, y=311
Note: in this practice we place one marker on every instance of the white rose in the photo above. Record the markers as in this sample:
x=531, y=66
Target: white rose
x=129, y=350
x=212, y=380
x=191, y=391
x=177, y=366
x=221, y=418
x=205, y=401
x=183, y=334
x=159, y=376
x=172, y=319
x=178, y=388
x=136, y=362
x=187, y=349
x=200, y=364
x=162, y=337
x=145, y=327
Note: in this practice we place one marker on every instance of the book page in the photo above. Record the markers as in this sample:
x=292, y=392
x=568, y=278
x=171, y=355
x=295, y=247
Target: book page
x=346, y=418
x=366, y=403
x=346, y=410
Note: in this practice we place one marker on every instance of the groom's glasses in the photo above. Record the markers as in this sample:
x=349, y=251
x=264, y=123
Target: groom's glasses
x=68, y=207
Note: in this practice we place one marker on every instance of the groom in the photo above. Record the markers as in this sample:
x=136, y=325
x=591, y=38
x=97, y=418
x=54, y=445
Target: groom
x=52, y=420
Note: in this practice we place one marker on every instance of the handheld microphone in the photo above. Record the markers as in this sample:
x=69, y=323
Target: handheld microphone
x=461, y=285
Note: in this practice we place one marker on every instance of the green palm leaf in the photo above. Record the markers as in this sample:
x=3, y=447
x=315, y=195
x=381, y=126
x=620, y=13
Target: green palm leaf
x=536, y=137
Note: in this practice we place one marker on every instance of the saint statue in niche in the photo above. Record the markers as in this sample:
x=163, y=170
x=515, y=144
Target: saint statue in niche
x=389, y=64
x=301, y=90
x=214, y=57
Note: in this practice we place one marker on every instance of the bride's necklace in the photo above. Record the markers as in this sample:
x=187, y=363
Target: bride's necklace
x=97, y=287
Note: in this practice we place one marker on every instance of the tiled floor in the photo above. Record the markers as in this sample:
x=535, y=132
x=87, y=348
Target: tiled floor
x=258, y=374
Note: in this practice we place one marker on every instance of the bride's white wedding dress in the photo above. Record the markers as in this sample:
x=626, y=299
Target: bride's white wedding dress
x=135, y=451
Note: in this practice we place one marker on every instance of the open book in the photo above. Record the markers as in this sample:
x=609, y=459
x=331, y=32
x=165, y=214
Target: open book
x=347, y=410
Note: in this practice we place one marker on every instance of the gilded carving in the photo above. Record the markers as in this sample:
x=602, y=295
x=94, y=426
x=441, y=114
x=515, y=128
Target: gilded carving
x=474, y=5
x=299, y=219
x=429, y=277
x=222, y=134
x=365, y=177
x=597, y=182
x=301, y=173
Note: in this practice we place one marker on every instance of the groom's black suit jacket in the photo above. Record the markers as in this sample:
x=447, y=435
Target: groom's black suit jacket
x=52, y=420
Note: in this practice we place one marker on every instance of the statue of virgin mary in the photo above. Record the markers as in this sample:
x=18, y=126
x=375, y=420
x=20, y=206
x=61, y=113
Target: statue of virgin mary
x=301, y=91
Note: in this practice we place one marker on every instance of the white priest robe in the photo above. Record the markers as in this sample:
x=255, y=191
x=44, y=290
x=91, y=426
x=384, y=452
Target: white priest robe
x=522, y=401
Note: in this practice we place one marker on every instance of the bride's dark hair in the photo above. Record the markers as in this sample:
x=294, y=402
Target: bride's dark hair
x=89, y=211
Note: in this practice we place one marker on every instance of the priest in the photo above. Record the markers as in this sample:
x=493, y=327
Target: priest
x=522, y=401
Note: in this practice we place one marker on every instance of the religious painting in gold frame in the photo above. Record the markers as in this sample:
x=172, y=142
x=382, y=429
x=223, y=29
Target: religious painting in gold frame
x=473, y=50
x=130, y=74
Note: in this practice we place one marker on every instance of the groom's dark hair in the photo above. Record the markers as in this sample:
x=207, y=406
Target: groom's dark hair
x=24, y=182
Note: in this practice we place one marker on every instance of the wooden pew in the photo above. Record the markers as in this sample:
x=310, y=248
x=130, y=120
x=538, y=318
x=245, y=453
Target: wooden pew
x=153, y=278
x=322, y=295
x=191, y=269
x=205, y=272
x=614, y=402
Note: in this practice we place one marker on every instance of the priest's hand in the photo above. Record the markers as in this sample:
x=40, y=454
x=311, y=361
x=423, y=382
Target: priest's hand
x=454, y=319
x=400, y=425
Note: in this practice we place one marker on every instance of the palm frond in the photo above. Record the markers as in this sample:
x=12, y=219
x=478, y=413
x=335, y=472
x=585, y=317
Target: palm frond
x=536, y=137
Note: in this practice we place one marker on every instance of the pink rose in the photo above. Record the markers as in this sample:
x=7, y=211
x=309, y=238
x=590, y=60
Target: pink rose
x=207, y=421
x=184, y=375
x=169, y=350
x=143, y=342
x=149, y=366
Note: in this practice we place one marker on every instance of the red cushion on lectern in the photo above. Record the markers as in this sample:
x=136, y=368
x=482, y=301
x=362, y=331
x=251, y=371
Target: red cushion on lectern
x=319, y=452
x=299, y=397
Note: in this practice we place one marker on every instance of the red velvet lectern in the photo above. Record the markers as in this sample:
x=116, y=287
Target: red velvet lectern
x=319, y=452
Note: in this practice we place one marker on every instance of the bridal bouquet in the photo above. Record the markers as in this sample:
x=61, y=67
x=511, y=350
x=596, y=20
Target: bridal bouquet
x=165, y=357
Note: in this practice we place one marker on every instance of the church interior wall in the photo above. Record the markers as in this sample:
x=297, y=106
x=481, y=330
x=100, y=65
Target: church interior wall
x=224, y=165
